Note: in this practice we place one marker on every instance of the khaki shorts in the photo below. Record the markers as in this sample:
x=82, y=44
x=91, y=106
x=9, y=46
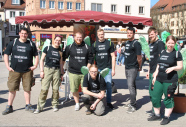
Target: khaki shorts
x=75, y=80
x=15, y=78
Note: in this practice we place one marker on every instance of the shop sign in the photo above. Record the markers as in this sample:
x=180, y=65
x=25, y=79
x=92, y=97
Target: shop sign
x=46, y=35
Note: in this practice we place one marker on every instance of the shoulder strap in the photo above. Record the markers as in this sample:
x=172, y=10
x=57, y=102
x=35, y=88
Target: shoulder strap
x=162, y=51
x=94, y=44
x=134, y=43
x=88, y=76
x=14, y=41
x=86, y=46
x=70, y=46
x=176, y=54
x=48, y=48
x=99, y=77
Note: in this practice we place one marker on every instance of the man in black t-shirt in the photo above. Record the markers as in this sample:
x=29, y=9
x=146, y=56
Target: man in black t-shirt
x=156, y=46
x=105, y=58
x=22, y=51
x=79, y=54
x=94, y=90
x=132, y=66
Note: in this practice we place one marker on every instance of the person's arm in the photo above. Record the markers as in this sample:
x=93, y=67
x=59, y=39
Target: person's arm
x=175, y=68
x=97, y=95
x=35, y=64
x=42, y=65
x=90, y=57
x=147, y=75
x=113, y=63
x=139, y=59
x=6, y=60
x=61, y=67
x=155, y=74
x=93, y=106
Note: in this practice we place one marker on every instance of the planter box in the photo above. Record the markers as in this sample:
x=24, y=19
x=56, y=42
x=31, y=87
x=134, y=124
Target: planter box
x=182, y=86
x=179, y=103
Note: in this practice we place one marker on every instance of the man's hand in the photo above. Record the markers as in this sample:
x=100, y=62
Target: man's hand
x=100, y=96
x=147, y=75
x=139, y=69
x=93, y=106
x=32, y=68
x=42, y=74
x=10, y=69
x=113, y=73
x=61, y=77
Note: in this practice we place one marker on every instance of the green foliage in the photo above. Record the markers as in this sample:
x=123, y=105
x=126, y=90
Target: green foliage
x=182, y=80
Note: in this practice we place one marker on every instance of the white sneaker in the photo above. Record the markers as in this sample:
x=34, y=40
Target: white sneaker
x=55, y=109
x=37, y=111
x=77, y=106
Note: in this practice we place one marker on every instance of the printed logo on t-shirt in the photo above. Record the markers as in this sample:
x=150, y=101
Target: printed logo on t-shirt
x=102, y=55
x=21, y=48
x=79, y=51
x=163, y=57
x=94, y=85
x=151, y=48
x=20, y=58
x=101, y=47
x=54, y=53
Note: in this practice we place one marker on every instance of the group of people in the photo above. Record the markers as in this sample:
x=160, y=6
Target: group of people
x=120, y=49
x=162, y=73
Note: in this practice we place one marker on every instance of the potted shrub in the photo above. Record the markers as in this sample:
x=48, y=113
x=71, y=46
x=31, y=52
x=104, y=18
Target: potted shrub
x=180, y=98
x=182, y=81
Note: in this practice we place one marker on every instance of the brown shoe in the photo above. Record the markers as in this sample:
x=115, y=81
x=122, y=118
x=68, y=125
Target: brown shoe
x=88, y=112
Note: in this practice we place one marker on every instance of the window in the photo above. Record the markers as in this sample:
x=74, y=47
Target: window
x=172, y=23
x=172, y=31
x=182, y=22
x=60, y=5
x=113, y=8
x=160, y=16
x=127, y=9
x=96, y=7
x=15, y=1
x=32, y=5
x=162, y=8
x=78, y=6
x=69, y=5
x=165, y=24
x=12, y=14
x=172, y=15
x=12, y=28
x=177, y=31
x=42, y=4
x=141, y=10
x=51, y=4
x=21, y=13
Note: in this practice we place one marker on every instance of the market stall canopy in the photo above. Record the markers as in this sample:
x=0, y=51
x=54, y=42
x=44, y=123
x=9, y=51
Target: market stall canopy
x=82, y=17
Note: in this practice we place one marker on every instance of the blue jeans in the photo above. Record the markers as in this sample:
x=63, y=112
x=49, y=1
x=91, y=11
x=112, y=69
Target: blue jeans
x=122, y=59
x=117, y=59
x=108, y=80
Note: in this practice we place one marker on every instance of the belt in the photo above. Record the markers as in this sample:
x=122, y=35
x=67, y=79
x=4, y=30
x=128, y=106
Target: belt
x=52, y=67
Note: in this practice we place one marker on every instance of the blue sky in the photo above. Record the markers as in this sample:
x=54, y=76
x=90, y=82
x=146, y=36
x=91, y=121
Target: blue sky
x=153, y=2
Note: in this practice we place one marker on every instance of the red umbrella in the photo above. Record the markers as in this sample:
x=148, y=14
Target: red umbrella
x=90, y=17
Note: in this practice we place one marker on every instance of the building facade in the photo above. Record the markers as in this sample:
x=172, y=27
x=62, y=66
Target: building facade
x=39, y=7
x=140, y=8
x=170, y=15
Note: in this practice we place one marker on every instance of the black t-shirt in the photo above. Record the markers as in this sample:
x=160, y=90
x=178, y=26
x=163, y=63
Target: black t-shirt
x=165, y=61
x=52, y=56
x=79, y=55
x=22, y=55
x=94, y=86
x=155, y=50
x=102, y=50
x=132, y=49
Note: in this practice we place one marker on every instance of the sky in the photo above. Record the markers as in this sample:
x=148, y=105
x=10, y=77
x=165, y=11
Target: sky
x=153, y=2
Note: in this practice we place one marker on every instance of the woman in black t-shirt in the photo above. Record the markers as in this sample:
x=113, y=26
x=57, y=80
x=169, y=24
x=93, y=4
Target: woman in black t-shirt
x=165, y=80
x=51, y=72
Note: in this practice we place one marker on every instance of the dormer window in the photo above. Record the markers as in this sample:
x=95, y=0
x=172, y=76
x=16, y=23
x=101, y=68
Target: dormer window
x=15, y=1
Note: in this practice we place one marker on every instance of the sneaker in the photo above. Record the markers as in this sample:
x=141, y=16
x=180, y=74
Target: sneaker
x=37, y=111
x=77, y=106
x=154, y=118
x=88, y=112
x=131, y=109
x=127, y=105
x=29, y=108
x=165, y=121
x=8, y=109
x=55, y=109
x=109, y=105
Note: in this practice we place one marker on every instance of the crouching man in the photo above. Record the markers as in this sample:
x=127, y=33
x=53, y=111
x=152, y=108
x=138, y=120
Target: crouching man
x=94, y=91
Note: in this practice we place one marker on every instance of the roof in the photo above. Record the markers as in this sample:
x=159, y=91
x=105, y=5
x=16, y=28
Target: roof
x=8, y=5
x=91, y=17
x=167, y=4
